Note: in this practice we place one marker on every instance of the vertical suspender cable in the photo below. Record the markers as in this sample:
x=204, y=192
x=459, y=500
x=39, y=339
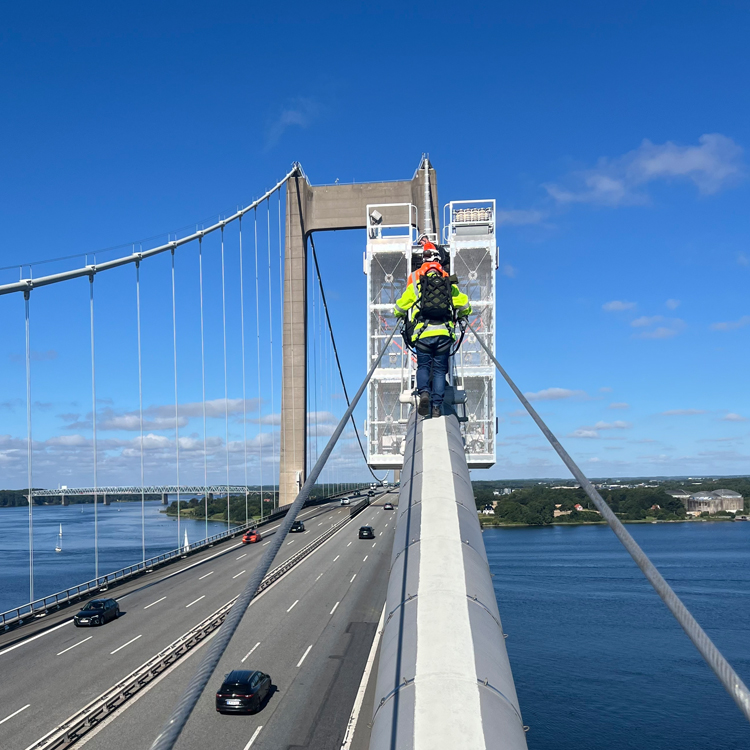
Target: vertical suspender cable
x=26, y=296
x=203, y=385
x=93, y=425
x=257, y=354
x=281, y=322
x=176, y=420
x=244, y=392
x=226, y=392
x=270, y=332
x=140, y=406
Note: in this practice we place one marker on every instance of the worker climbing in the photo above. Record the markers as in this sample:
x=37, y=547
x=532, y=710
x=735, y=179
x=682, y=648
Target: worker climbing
x=431, y=307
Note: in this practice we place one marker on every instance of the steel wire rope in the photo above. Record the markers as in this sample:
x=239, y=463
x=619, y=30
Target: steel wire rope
x=713, y=657
x=140, y=408
x=270, y=335
x=175, y=724
x=203, y=386
x=338, y=361
x=314, y=442
x=176, y=418
x=257, y=356
x=244, y=397
x=29, y=446
x=24, y=284
x=226, y=391
x=93, y=426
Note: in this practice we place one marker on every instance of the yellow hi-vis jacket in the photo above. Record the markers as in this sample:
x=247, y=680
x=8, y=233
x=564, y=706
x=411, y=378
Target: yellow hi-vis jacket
x=410, y=297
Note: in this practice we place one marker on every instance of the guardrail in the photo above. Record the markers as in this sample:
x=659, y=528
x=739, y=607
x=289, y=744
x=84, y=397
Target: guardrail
x=89, y=716
x=24, y=613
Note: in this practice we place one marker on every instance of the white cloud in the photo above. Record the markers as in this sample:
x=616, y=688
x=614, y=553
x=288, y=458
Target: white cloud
x=618, y=425
x=646, y=321
x=671, y=327
x=554, y=394
x=509, y=271
x=619, y=405
x=582, y=433
x=742, y=259
x=519, y=217
x=732, y=417
x=605, y=389
x=300, y=112
x=682, y=412
x=672, y=304
x=617, y=306
x=710, y=166
x=731, y=325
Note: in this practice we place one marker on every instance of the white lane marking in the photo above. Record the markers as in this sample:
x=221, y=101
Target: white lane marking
x=196, y=601
x=250, y=651
x=238, y=574
x=386, y=526
x=15, y=713
x=34, y=637
x=374, y=543
x=366, y=556
x=132, y=640
x=336, y=558
x=292, y=542
x=334, y=608
x=357, y=707
x=264, y=544
x=320, y=524
x=318, y=578
x=293, y=605
x=307, y=532
x=380, y=533
x=206, y=576
x=74, y=645
x=299, y=663
x=353, y=577
x=241, y=556
x=253, y=738
x=349, y=545
x=156, y=602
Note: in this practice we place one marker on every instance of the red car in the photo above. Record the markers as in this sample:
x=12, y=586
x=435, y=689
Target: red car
x=251, y=536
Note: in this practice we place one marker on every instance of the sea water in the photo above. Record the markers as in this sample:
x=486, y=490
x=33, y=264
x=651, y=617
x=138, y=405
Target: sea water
x=598, y=660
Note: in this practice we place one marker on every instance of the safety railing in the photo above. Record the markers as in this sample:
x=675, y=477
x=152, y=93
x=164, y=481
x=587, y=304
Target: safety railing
x=20, y=615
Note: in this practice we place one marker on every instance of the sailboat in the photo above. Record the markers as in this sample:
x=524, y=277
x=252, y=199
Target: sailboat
x=59, y=541
x=186, y=544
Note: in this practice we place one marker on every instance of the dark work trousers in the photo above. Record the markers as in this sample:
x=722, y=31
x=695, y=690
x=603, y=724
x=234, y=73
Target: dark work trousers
x=432, y=366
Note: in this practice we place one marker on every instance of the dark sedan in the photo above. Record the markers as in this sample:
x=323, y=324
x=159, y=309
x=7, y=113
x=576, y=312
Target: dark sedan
x=97, y=612
x=366, y=532
x=243, y=692
x=297, y=526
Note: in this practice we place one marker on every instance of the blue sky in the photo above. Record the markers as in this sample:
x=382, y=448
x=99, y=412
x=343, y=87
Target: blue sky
x=614, y=138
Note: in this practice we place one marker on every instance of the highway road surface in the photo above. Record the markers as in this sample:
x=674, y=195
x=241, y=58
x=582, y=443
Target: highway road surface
x=49, y=675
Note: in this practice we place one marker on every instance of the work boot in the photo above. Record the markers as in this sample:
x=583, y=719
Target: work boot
x=423, y=407
x=436, y=412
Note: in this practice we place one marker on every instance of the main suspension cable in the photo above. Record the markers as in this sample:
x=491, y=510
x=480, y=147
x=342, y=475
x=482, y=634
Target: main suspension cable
x=140, y=407
x=179, y=718
x=713, y=657
x=203, y=387
x=338, y=361
x=29, y=448
x=176, y=419
x=93, y=426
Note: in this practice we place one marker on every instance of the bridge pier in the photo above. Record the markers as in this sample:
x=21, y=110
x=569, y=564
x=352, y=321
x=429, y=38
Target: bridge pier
x=105, y=501
x=311, y=209
x=164, y=498
x=64, y=501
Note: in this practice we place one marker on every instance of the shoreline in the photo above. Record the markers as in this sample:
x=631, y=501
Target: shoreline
x=721, y=519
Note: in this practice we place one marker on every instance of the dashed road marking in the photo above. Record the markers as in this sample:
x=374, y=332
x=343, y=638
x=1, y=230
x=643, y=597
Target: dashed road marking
x=156, y=602
x=336, y=558
x=299, y=663
x=132, y=640
x=250, y=651
x=353, y=577
x=196, y=601
x=374, y=543
x=238, y=574
x=74, y=645
x=253, y=738
x=293, y=605
x=349, y=545
x=366, y=556
x=15, y=713
x=264, y=544
x=206, y=576
x=241, y=556
x=334, y=607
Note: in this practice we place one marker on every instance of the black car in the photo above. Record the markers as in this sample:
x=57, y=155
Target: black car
x=366, y=532
x=297, y=526
x=243, y=692
x=97, y=612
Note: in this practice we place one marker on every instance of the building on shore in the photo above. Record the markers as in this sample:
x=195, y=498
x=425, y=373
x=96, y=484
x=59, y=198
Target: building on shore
x=709, y=502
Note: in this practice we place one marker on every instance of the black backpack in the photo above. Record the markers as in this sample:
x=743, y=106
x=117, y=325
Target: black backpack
x=435, y=301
